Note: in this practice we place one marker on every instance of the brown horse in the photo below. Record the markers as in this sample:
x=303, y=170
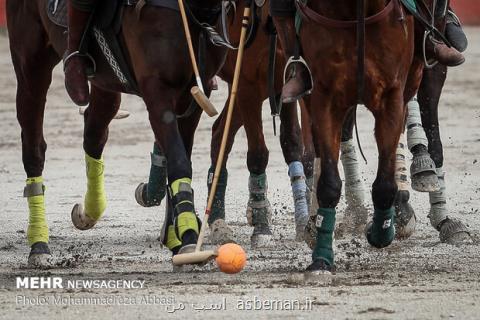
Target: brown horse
x=392, y=76
x=156, y=46
x=248, y=113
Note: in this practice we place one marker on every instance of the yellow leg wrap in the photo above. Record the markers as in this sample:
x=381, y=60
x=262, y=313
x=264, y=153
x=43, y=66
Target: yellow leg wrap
x=95, y=198
x=37, y=224
x=176, y=184
x=172, y=240
x=187, y=221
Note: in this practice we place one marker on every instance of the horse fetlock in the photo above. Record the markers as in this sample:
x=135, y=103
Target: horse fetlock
x=405, y=219
x=218, y=205
x=152, y=193
x=381, y=231
x=95, y=198
x=325, y=226
x=37, y=226
x=354, y=190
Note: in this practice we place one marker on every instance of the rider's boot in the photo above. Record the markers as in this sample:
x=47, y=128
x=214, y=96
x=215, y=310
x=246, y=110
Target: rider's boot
x=76, y=63
x=454, y=32
x=297, y=78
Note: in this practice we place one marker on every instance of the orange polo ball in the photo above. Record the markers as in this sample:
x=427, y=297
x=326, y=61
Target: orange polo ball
x=231, y=258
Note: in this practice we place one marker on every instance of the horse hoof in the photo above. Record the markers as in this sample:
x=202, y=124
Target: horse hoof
x=80, y=220
x=319, y=272
x=454, y=232
x=262, y=237
x=121, y=114
x=425, y=182
x=423, y=174
x=379, y=240
x=300, y=232
x=40, y=257
x=139, y=194
x=220, y=233
x=310, y=232
x=405, y=220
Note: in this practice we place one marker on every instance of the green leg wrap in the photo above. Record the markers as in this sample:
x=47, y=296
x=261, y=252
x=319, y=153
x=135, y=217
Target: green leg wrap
x=156, y=187
x=182, y=199
x=218, y=206
x=382, y=231
x=172, y=240
x=258, y=204
x=325, y=227
x=37, y=224
x=95, y=198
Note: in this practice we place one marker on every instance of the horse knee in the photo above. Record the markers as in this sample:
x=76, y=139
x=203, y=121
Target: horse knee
x=257, y=160
x=329, y=191
x=383, y=193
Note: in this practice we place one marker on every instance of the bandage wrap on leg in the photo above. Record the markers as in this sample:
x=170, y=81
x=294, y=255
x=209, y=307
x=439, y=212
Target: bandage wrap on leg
x=258, y=209
x=382, y=231
x=299, y=189
x=354, y=191
x=182, y=199
x=218, y=206
x=415, y=133
x=95, y=198
x=401, y=172
x=37, y=225
x=438, y=202
x=157, y=180
x=325, y=225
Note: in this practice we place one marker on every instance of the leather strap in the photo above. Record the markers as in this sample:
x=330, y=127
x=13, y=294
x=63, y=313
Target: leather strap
x=310, y=15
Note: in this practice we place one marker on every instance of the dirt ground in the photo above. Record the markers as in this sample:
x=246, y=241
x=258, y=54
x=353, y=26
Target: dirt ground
x=418, y=278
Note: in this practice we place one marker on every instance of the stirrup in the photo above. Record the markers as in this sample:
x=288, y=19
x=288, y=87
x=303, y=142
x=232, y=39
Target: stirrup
x=300, y=59
x=83, y=55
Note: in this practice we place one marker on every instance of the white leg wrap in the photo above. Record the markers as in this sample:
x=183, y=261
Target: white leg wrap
x=415, y=133
x=354, y=191
x=401, y=172
x=438, y=201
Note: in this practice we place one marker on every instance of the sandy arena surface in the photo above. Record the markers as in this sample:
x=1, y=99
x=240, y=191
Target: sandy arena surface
x=418, y=278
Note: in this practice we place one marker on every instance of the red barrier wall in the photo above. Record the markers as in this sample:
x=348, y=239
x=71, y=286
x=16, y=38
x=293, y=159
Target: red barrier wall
x=467, y=10
x=3, y=20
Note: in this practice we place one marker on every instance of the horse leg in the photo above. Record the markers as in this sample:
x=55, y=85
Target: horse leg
x=259, y=211
x=292, y=148
x=152, y=193
x=103, y=107
x=33, y=81
x=422, y=169
x=405, y=219
x=182, y=228
x=451, y=230
x=327, y=123
x=220, y=232
x=389, y=119
x=356, y=214
x=308, y=157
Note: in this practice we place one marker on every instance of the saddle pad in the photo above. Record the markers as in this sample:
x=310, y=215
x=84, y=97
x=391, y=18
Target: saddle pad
x=57, y=12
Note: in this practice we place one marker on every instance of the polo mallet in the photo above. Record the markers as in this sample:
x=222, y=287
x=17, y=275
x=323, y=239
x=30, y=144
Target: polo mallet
x=197, y=91
x=202, y=256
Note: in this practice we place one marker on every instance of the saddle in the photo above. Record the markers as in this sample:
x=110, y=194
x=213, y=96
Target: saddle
x=106, y=26
x=104, y=31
